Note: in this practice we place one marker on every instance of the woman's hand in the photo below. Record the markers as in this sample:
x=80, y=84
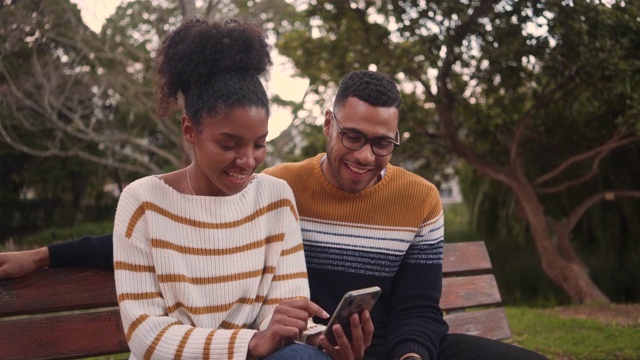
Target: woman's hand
x=288, y=322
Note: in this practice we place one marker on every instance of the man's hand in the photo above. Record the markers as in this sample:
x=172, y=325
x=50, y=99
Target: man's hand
x=290, y=319
x=361, y=334
x=20, y=263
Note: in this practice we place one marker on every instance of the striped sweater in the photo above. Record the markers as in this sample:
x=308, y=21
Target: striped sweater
x=389, y=235
x=197, y=276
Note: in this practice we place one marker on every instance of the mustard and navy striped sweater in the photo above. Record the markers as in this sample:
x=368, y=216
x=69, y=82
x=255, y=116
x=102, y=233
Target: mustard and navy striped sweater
x=197, y=275
x=389, y=235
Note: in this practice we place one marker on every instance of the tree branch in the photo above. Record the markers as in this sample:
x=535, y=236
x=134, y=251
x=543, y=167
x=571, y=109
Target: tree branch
x=553, y=94
x=582, y=208
x=445, y=106
x=599, y=153
x=54, y=104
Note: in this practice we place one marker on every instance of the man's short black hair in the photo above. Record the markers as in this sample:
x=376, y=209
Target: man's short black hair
x=372, y=87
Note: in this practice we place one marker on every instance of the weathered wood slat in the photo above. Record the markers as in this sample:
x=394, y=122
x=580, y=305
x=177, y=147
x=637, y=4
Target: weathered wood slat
x=469, y=291
x=69, y=336
x=48, y=290
x=490, y=323
x=465, y=258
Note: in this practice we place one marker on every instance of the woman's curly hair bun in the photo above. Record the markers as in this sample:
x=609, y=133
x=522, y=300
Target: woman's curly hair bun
x=197, y=51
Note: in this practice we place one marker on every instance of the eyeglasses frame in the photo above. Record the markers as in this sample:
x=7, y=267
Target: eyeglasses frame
x=366, y=139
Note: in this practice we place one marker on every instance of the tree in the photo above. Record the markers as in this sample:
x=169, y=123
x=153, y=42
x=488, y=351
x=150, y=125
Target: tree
x=81, y=98
x=532, y=94
x=66, y=91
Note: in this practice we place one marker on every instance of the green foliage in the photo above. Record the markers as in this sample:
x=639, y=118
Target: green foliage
x=75, y=93
x=423, y=151
x=74, y=99
x=59, y=234
x=315, y=143
x=44, y=71
x=520, y=275
x=325, y=59
x=303, y=140
x=457, y=227
x=558, y=77
x=492, y=207
x=37, y=193
x=518, y=61
x=11, y=164
x=521, y=279
x=570, y=338
x=521, y=86
x=606, y=238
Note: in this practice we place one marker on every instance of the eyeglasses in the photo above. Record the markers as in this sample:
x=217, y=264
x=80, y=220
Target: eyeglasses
x=353, y=140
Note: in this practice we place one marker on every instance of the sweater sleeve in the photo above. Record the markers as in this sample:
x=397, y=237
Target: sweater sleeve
x=417, y=324
x=150, y=332
x=87, y=251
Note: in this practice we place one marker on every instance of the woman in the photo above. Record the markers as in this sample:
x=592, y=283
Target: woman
x=208, y=259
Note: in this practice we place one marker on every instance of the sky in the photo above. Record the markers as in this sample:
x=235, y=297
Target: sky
x=281, y=81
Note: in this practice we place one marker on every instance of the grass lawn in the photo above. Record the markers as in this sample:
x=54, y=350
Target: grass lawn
x=561, y=338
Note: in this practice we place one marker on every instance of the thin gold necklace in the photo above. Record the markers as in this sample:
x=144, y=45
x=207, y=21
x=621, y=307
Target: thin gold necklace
x=189, y=182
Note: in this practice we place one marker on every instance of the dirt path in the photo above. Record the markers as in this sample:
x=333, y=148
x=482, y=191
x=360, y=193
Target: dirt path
x=621, y=314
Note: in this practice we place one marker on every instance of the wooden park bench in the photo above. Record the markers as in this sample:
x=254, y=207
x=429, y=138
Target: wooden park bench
x=69, y=313
x=470, y=297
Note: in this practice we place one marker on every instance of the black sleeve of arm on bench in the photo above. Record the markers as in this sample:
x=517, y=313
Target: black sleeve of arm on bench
x=87, y=251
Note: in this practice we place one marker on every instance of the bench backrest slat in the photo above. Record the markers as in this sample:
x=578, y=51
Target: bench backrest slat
x=465, y=258
x=49, y=290
x=469, y=291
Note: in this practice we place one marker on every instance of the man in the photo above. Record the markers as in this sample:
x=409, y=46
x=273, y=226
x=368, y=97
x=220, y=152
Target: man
x=364, y=223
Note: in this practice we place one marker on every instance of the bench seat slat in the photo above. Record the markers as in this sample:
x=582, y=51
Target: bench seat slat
x=65, y=337
x=489, y=323
x=469, y=291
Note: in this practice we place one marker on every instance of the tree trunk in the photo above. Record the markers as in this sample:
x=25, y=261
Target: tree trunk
x=558, y=258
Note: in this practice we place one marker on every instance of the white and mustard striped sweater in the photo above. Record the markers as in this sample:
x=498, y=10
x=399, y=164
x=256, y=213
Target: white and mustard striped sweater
x=197, y=276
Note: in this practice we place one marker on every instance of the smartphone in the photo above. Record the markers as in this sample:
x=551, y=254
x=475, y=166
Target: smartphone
x=353, y=302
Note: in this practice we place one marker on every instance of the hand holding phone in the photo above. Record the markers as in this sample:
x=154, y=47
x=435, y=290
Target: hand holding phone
x=353, y=302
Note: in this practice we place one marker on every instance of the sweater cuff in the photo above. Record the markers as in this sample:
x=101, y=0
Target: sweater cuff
x=61, y=255
x=312, y=329
x=87, y=251
x=241, y=344
x=406, y=347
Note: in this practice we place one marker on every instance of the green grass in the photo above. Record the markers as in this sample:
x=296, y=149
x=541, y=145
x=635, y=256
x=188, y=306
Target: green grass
x=572, y=339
